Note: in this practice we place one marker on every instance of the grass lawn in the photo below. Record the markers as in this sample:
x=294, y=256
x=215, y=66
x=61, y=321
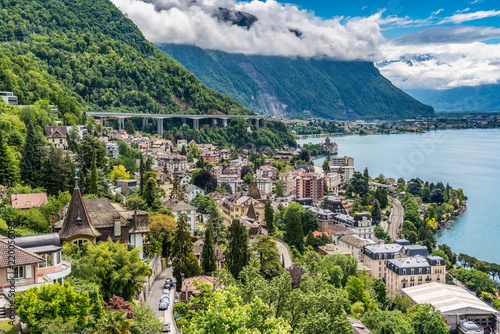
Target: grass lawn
x=9, y=329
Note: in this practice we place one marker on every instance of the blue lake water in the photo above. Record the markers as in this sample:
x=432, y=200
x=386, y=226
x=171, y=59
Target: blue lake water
x=467, y=159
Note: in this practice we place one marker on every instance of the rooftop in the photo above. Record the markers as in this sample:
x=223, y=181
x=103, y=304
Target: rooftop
x=384, y=248
x=26, y=201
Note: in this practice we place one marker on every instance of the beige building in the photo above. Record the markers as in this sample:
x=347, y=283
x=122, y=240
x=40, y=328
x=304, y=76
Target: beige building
x=288, y=179
x=333, y=182
x=413, y=271
x=172, y=162
x=375, y=257
x=355, y=244
x=57, y=135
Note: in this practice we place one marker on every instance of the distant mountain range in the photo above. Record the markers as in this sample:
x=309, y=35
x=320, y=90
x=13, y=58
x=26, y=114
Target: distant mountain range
x=484, y=98
x=297, y=87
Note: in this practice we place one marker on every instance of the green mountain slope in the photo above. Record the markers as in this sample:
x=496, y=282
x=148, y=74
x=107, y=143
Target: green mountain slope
x=481, y=98
x=99, y=57
x=299, y=87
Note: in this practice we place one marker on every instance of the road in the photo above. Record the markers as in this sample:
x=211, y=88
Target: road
x=154, y=299
x=397, y=215
x=284, y=253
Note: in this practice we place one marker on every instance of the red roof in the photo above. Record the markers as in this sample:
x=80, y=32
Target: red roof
x=26, y=201
x=22, y=256
x=317, y=233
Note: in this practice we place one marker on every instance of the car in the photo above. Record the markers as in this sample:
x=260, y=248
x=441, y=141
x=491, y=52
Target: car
x=165, y=292
x=165, y=300
x=163, y=306
x=168, y=283
x=166, y=328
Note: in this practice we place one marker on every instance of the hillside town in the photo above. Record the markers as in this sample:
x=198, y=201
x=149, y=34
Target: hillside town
x=159, y=189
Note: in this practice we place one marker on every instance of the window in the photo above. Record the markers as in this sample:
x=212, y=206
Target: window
x=79, y=242
x=16, y=273
x=44, y=263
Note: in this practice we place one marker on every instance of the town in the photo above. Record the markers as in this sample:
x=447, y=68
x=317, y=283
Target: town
x=164, y=227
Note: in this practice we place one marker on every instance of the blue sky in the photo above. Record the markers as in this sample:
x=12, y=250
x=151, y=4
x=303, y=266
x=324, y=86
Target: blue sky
x=416, y=44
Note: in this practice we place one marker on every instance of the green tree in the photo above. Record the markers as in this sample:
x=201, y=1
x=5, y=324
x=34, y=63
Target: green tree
x=294, y=232
x=268, y=254
x=113, y=267
x=248, y=178
x=8, y=170
x=426, y=320
x=208, y=258
x=145, y=320
x=380, y=291
x=426, y=195
x=269, y=216
x=93, y=185
x=184, y=261
x=237, y=251
x=279, y=189
x=31, y=160
x=376, y=213
x=115, y=322
x=355, y=290
x=57, y=172
x=326, y=166
x=162, y=228
x=129, y=127
x=386, y=322
x=310, y=222
x=150, y=192
x=365, y=173
x=52, y=301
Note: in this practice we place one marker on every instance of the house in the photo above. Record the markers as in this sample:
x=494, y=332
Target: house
x=225, y=154
x=198, y=250
x=328, y=147
x=57, y=135
x=361, y=223
x=283, y=155
x=355, y=244
x=181, y=142
x=97, y=219
x=180, y=207
x=234, y=181
x=325, y=217
x=456, y=306
x=112, y=149
x=267, y=172
x=209, y=156
x=26, y=201
x=126, y=185
x=238, y=204
x=238, y=162
x=413, y=271
x=331, y=249
x=334, y=205
x=253, y=222
x=192, y=191
x=38, y=261
x=9, y=98
x=189, y=288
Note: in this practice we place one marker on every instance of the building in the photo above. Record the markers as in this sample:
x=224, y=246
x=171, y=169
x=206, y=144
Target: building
x=26, y=201
x=126, y=185
x=193, y=191
x=328, y=147
x=210, y=156
x=341, y=161
x=172, y=162
x=288, y=180
x=112, y=149
x=181, y=142
x=57, y=135
x=267, y=172
x=225, y=154
x=234, y=181
x=198, y=250
x=361, y=223
x=97, y=219
x=413, y=271
x=81, y=130
x=237, y=205
x=334, y=205
x=189, y=289
x=240, y=162
x=375, y=257
x=333, y=182
x=325, y=217
x=346, y=172
x=9, y=98
x=310, y=185
x=355, y=244
x=180, y=207
x=456, y=305
x=265, y=185
x=332, y=249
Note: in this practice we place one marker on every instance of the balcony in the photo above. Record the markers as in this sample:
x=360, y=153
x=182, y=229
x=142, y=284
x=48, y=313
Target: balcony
x=64, y=271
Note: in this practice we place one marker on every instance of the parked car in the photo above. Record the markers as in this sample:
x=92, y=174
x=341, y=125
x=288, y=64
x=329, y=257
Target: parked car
x=168, y=283
x=166, y=327
x=165, y=292
x=165, y=300
x=163, y=306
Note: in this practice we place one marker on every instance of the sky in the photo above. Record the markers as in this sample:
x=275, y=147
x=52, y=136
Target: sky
x=416, y=44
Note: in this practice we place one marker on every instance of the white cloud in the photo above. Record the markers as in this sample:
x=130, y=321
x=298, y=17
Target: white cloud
x=437, y=11
x=183, y=22
x=450, y=34
x=464, y=17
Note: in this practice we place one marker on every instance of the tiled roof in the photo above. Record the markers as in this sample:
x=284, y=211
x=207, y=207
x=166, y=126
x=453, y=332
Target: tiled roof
x=25, y=201
x=77, y=220
x=62, y=131
x=22, y=256
x=177, y=205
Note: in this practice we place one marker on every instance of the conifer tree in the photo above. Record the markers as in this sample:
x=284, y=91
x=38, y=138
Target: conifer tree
x=376, y=213
x=184, y=261
x=269, y=216
x=93, y=180
x=208, y=258
x=31, y=163
x=56, y=172
x=294, y=233
x=238, y=254
x=150, y=191
x=8, y=171
x=141, y=175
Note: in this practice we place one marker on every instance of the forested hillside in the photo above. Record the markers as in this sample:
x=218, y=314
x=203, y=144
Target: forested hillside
x=98, y=60
x=300, y=87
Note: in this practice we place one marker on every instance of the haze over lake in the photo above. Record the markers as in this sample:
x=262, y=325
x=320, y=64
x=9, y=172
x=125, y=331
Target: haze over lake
x=467, y=159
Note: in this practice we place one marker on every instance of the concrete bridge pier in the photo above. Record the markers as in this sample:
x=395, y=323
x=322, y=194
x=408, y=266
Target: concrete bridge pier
x=144, y=123
x=160, y=127
x=257, y=123
x=121, y=123
x=224, y=122
x=196, y=123
x=214, y=121
x=183, y=121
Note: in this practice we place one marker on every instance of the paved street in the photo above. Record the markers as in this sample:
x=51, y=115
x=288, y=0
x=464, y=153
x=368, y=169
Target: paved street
x=396, y=218
x=154, y=298
x=283, y=249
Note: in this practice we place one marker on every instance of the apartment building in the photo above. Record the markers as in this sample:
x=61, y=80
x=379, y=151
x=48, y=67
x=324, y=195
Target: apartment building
x=310, y=185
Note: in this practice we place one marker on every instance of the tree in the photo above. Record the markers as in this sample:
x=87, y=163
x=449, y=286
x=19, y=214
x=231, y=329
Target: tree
x=145, y=320
x=294, y=232
x=426, y=320
x=365, y=173
x=279, y=188
x=31, y=160
x=150, y=192
x=380, y=291
x=205, y=180
x=93, y=185
x=48, y=302
x=326, y=166
x=57, y=172
x=269, y=216
x=310, y=222
x=8, y=170
x=376, y=213
x=115, y=322
x=360, y=183
x=268, y=255
x=304, y=155
x=237, y=252
x=178, y=191
x=129, y=127
x=226, y=187
x=415, y=187
x=437, y=196
x=117, y=303
x=426, y=195
x=142, y=179
x=162, y=228
x=184, y=261
x=245, y=170
x=386, y=322
x=119, y=173
x=381, y=196
x=113, y=267
x=208, y=258
x=355, y=290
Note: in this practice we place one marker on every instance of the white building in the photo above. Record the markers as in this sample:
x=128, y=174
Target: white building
x=192, y=191
x=112, y=149
x=9, y=98
x=265, y=185
x=178, y=208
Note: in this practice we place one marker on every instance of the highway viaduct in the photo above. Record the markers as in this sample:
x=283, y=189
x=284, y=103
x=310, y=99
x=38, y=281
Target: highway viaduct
x=160, y=117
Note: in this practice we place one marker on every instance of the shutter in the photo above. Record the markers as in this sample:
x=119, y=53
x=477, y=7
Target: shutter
x=28, y=271
x=10, y=273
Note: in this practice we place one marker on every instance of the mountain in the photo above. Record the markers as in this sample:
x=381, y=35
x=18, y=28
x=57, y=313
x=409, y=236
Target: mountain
x=298, y=87
x=481, y=98
x=88, y=51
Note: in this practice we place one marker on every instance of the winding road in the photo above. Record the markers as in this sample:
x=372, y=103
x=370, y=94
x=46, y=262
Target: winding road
x=396, y=218
x=284, y=253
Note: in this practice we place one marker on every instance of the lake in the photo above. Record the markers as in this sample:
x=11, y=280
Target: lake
x=467, y=159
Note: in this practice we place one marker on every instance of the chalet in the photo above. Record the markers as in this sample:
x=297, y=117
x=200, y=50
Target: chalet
x=57, y=135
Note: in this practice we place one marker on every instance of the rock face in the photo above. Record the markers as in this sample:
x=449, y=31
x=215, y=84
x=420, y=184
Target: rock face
x=298, y=87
